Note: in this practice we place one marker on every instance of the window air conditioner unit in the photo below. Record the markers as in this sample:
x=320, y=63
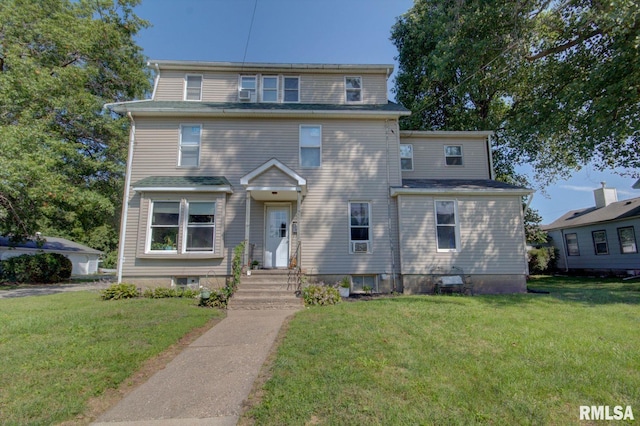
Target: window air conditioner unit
x=360, y=247
x=244, y=95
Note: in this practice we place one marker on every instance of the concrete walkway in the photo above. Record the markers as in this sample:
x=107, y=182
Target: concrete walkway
x=207, y=383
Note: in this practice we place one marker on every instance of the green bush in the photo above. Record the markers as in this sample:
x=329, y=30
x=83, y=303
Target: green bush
x=165, y=292
x=542, y=260
x=120, y=291
x=214, y=298
x=321, y=295
x=37, y=268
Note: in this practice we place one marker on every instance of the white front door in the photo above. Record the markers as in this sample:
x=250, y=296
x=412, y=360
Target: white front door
x=276, y=245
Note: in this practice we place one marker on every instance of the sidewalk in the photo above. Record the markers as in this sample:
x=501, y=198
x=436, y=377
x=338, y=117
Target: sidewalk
x=206, y=383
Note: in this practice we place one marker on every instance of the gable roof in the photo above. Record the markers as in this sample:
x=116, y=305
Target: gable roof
x=50, y=244
x=183, y=183
x=625, y=209
x=458, y=186
x=150, y=107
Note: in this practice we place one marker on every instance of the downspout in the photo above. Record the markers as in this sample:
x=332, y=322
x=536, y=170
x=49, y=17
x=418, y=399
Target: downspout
x=125, y=203
x=390, y=226
x=564, y=251
x=156, y=79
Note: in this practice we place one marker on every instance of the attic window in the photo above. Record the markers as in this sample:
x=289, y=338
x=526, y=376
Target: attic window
x=453, y=155
x=353, y=87
x=193, y=88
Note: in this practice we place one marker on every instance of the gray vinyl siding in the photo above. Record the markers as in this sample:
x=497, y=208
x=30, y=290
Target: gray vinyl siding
x=588, y=259
x=355, y=155
x=314, y=88
x=491, y=235
x=429, y=159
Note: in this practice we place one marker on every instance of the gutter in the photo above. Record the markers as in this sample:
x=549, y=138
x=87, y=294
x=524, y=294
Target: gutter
x=394, y=192
x=125, y=203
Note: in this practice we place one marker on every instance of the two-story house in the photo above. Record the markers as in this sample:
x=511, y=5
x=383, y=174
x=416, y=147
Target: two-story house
x=307, y=164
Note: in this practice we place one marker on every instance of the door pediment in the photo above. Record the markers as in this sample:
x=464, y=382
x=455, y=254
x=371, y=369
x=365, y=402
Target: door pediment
x=274, y=181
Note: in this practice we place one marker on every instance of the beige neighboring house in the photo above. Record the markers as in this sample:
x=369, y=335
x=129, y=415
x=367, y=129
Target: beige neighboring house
x=84, y=259
x=307, y=163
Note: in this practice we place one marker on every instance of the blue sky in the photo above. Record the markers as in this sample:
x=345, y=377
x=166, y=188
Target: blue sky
x=316, y=31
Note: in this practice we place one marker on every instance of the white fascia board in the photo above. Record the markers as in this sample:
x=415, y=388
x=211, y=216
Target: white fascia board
x=269, y=67
x=268, y=113
x=445, y=133
x=394, y=192
x=273, y=163
x=226, y=189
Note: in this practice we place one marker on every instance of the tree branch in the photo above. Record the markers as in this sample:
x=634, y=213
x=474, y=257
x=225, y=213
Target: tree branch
x=565, y=46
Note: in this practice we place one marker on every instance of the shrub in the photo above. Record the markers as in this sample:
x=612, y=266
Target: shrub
x=164, y=292
x=541, y=260
x=37, y=268
x=321, y=295
x=120, y=291
x=215, y=299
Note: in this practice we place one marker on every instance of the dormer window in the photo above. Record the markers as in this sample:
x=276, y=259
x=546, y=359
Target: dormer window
x=406, y=157
x=247, y=88
x=453, y=155
x=193, y=88
x=353, y=89
x=292, y=89
x=269, y=89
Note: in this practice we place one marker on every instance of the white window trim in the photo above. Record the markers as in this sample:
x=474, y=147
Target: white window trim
x=454, y=156
x=284, y=89
x=566, y=244
x=254, y=91
x=277, y=89
x=595, y=244
x=180, y=144
x=456, y=225
x=346, y=98
x=370, y=226
x=300, y=146
x=186, y=78
x=401, y=157
x=185, y=225
x=147, y=247
x=635, y=241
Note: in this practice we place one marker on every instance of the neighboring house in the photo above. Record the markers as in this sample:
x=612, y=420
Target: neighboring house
x=84, y=259
x=636, y=185
x=601, y=239
x=307, y=164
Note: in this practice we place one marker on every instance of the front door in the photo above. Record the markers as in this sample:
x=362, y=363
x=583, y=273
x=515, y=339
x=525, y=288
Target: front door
x=276, y=246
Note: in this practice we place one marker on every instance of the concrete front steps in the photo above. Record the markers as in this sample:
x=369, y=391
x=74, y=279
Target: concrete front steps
x=265, y=289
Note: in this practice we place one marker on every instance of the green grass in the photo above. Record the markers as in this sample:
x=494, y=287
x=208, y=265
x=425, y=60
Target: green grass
x=508, y=359
x=58, y=351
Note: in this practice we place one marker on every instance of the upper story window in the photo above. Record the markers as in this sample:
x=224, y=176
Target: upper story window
x=269, y=89
x=291, y=89
x=406, y=157
x=353, y=89
x=359, y=227
x=447, y=226
x=571, y=240
x=600, y=244
x=248, y=86
x=453, y=155
x=189, y=145
x=627, y=239
x=193, y=88
x=310, y=146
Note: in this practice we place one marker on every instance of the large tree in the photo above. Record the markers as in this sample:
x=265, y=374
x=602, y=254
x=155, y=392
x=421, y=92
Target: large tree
x=558, y=81
x=61, y=156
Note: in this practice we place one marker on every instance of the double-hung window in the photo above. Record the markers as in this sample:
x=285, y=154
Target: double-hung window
x=453, y=155
x=600, y=244
x=447, y=226
x=165, y=224
x=353, y=89
x=310, y=146
x=627, y=239
x=248, y=86
x=406, y=157
x=571, y=240
x=360, y=227
x=193, y=88
x=200, y=229
x=269, y=89
x=291, y=89
x=189, y=145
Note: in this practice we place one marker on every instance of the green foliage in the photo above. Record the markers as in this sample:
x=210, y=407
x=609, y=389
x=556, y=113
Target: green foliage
x=320, y=295
x=36, y=268
x=542, y=260
x=558, y=81
x=61, y=156
x=214, y=299
x=110, y=260
x=236, y=269
x=345, y=282
x=120, y=291
x=165, y=292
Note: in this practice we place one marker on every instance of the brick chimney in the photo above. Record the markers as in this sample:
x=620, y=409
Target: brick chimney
x=605, y=196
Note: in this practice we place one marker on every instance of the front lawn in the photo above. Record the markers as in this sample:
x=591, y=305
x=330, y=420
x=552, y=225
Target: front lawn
x=59, y=351
x=509, y=359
